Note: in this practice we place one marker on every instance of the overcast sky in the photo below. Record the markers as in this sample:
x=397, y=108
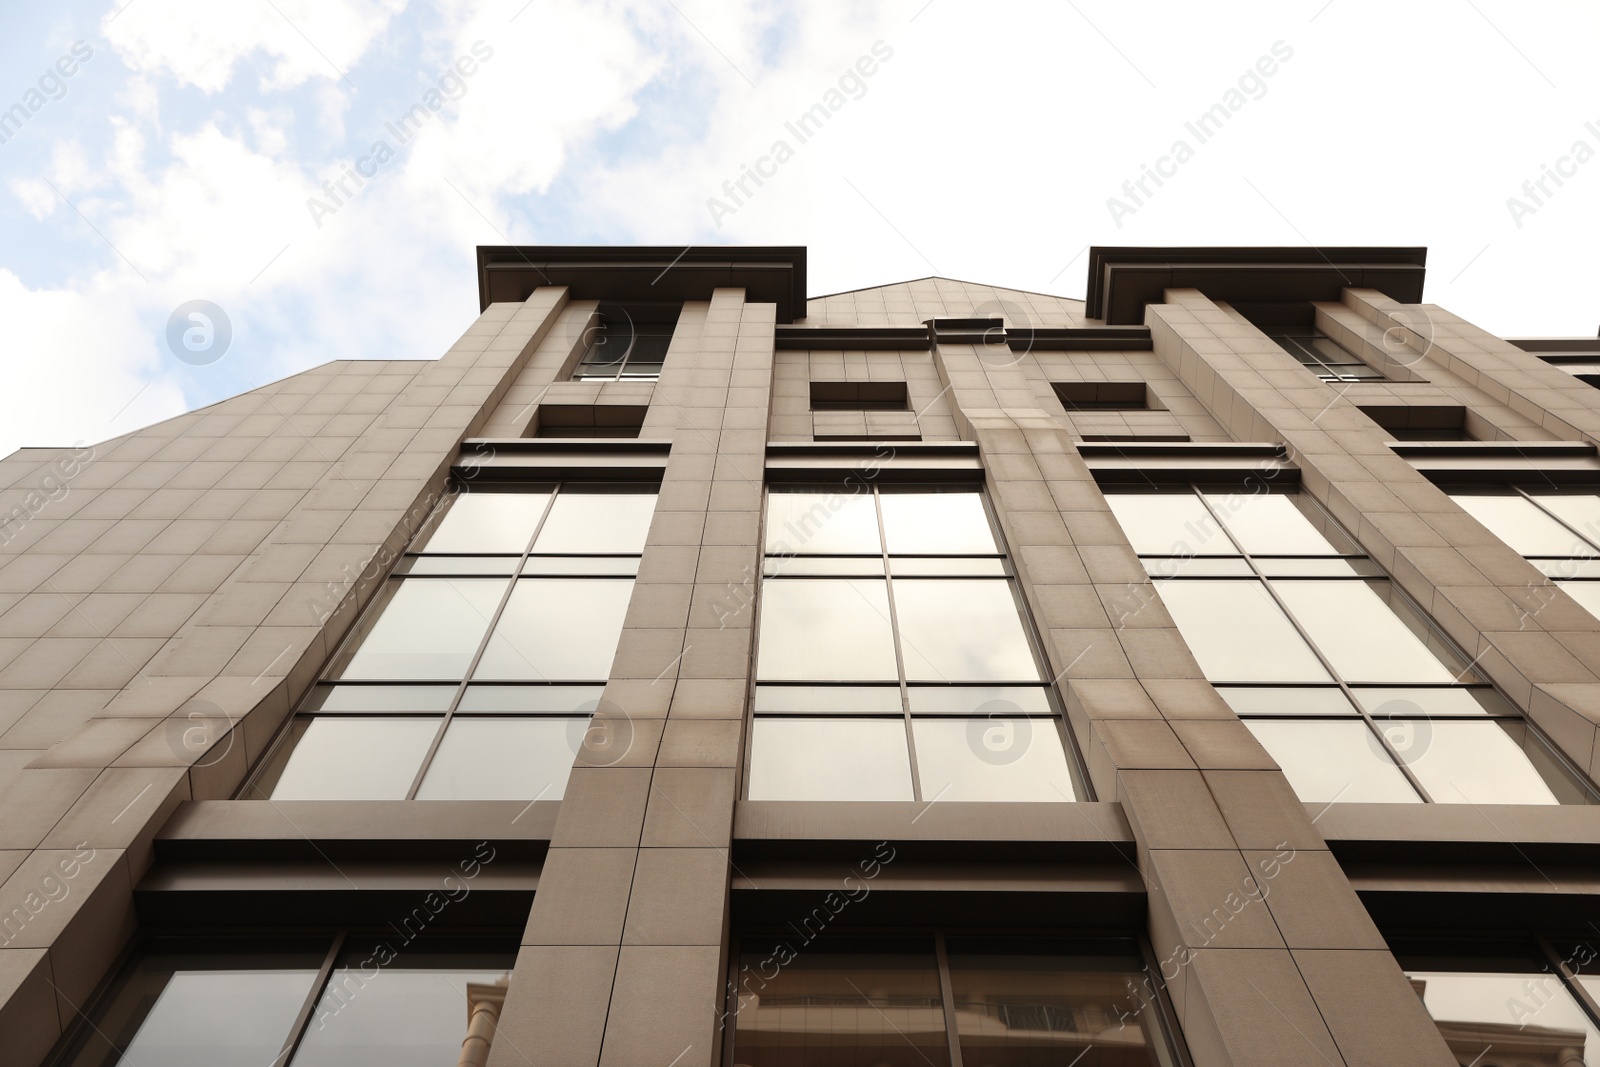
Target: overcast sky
x=184, y=157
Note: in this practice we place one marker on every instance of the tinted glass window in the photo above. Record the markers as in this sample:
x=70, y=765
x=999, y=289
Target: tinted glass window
x=829, y=759
x=487, y=522
x=833, y=629
x=962, y=631
x=429, y=628
x=1327, y=761
x=1001, y=758
x=1237, y=632
x=503, y=759
x=936, y=523
x=557, y=629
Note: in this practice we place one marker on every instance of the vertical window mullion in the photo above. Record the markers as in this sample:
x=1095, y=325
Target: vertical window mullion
x=488, y=635
x=1573, y=530
x=947, y=996
x=899, y=652
x=302, y=1021
x=1570, y=980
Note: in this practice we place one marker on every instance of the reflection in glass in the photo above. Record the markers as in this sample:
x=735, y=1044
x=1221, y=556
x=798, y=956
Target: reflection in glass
x=1238, y=634
x=1385, y=701
x=962, y=631
x=1360, y=634
x=847, y=566
x=933, y=567
x=1272, y=524
x=1000, y=758
x=531, y=698
x=430, y=628
x=979, y=700
x=1333, y=760
x=876, y=1007
x=590, y=519
x=1520, y=524
x=408, y=1012
x=490, y=521
x=829, y=759
x=1470, y=762
x=1580, y=510
x=380, y=698
x=555, y=628
x=932, y=523
x=618, y=565
x=356, y=758
x=852, y=699
x=1587, y=594
x=1301, y=700
x=809, y=522
x=1489, y=1017
x=828, y=629
x=1169, y=524
x=234, y=1010
x=503, y=759
x=1019, y=1007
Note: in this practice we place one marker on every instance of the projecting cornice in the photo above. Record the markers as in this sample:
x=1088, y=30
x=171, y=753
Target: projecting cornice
x=1123, y=280
x=769, y=274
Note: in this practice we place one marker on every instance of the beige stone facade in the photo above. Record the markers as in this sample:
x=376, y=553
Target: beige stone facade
x=168, y=599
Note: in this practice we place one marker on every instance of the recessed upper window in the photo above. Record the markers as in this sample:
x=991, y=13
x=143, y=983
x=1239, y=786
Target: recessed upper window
x=859, y=396
x=1420, y=422
x=1102, y=396
x=1323, y=356
x=474, y=673
x=627, y=342
x=589, y=420
x=1348, y=685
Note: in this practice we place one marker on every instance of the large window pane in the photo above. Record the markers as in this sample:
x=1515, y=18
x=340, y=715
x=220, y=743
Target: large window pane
x=825, y=630
x=1521, y=525
x=233, y=1010
x=488, y=521
x=962, y=631
x=829, y=759
x=503, y=759
x=408, y=1012
x=923, y=523
x=429, y=628
x=1270, y=524
x=1470, y=762
x=1490, y=1018
x=555, y=629
x=595, y=520
x=1328, y=761
x=357, y=758
x=877, y=1007
x=810, y=522
x=1238, y=634
x=1017, y=1006
x=1581, y=511
x=999, y=758
x=1355, y=628
x=1169, y=524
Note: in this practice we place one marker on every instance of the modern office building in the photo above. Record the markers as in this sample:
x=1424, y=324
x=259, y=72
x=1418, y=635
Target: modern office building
x=681, y=672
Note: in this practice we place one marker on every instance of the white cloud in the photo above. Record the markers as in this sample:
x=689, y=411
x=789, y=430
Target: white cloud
x=80, y=366
x=199, y=42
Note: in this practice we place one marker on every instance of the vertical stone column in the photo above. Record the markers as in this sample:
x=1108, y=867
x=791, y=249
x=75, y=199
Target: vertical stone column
x=1268, y=955
x=1532, y=639
x=623, y=960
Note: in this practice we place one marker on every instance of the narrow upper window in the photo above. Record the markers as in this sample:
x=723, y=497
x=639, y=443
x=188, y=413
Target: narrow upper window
x=1102, y=396
x=895, y=661
x=474, y=673
x=1323, y=356
x=859, y=396
x=627, y=342
x=1339, y=675
x=1558, y=530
